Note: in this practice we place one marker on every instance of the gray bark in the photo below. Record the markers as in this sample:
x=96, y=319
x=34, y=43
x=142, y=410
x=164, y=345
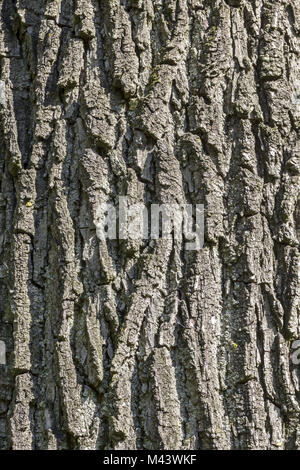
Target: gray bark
x=132, y=345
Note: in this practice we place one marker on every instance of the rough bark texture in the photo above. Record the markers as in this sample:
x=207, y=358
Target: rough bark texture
x=132, y=345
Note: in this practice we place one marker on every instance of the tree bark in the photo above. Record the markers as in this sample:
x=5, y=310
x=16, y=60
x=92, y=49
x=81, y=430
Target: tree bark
x=137, y=344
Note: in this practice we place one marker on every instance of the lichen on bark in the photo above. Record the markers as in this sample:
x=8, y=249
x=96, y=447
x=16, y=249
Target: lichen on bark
x=139, y=345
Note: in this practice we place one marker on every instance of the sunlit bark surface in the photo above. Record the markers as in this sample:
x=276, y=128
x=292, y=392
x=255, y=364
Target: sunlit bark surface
x=137, y=344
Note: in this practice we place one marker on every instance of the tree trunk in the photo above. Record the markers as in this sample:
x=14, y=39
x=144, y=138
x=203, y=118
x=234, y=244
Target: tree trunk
x=141, y=344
